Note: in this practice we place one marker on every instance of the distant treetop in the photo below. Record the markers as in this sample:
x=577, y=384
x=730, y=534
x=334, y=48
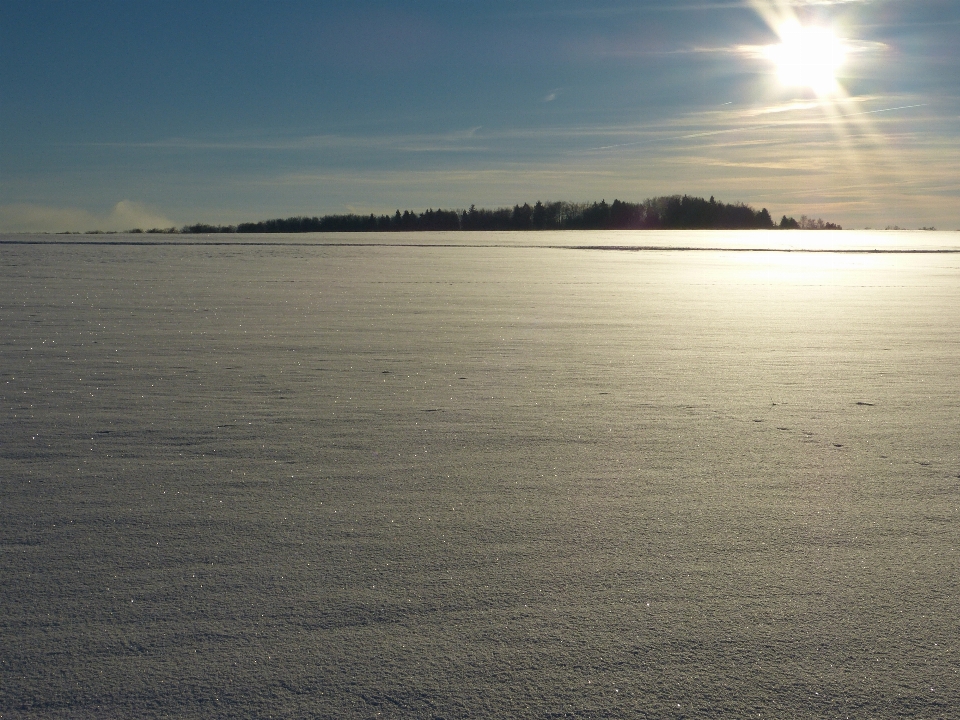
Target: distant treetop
x=673, y=212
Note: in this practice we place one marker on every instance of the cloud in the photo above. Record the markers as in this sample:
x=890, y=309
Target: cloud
x=125, y=215
x=761, y=52
x=454, y=140
x=614, y=10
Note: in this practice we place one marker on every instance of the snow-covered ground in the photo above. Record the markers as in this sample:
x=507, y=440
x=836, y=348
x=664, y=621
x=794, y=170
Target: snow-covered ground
x=336, y=480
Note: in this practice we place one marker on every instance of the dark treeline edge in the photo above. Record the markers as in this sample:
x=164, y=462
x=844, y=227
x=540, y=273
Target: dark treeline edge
x=673, y=212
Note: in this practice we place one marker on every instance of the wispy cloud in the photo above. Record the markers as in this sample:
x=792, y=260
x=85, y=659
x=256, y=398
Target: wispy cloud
x=452, y=141
x=495, y=144
x=761, y=52
x=620, y=9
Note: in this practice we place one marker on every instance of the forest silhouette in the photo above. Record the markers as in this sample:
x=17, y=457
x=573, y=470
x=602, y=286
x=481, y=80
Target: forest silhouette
x=672, y=212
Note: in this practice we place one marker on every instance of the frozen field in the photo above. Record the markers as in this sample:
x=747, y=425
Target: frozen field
x=337, y=479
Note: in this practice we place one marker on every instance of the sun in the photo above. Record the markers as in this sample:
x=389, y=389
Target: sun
x=808, y=56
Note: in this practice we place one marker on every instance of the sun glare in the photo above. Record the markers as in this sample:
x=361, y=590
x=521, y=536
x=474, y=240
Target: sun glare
x=808, y=57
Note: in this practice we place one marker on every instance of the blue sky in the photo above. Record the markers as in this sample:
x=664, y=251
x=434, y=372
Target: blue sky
x=126, y=114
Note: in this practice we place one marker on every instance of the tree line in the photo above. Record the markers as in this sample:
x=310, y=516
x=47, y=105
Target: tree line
x=674, y=212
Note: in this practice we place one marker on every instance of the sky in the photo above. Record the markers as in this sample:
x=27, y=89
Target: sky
x=115, y=115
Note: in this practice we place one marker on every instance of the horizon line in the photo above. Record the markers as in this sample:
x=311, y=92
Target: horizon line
x=615, y=248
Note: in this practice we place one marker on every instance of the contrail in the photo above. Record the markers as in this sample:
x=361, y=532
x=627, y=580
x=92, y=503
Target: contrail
x=745, y=127
x=873, y=112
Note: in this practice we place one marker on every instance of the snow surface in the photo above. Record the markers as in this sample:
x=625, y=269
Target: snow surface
x=351, y=481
